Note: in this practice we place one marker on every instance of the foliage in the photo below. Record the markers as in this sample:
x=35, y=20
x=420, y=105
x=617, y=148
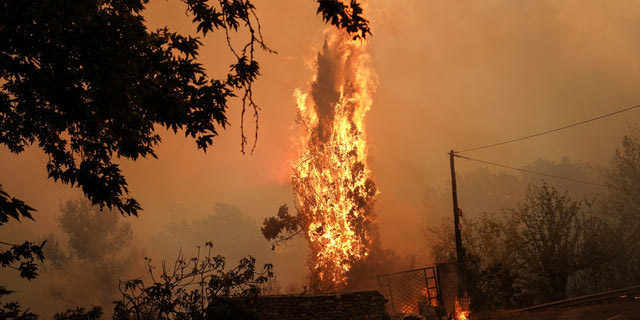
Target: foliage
x=531, y=254
x=491, y=268
x=348, y=17
x=559, y=237
x=548, y=225
x=624, y=178
x=79, y=314
x=12, y=207
x=22, y=257
x=282, y=227
x=197, y=288
x=623, y=203
x=87, y=102
x=13, y=311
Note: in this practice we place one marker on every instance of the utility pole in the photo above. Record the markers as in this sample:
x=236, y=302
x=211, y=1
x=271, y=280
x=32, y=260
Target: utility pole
x=462, y=300
x=456, y=209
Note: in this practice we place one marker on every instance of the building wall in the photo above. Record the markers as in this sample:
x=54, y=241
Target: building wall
x=367, y=305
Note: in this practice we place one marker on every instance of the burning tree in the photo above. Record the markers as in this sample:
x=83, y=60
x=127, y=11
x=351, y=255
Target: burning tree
x=332, y=184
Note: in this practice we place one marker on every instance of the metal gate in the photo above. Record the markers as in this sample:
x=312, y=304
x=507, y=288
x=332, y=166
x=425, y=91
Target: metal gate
x=406, y=290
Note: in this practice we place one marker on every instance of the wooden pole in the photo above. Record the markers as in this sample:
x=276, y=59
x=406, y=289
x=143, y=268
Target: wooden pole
x=456, y=210
x=463, y=298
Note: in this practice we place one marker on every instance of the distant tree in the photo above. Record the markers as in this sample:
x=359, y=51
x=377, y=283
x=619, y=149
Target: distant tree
x=99, y=247
x=491, y=267
x=623, y=203
x=530, y=255
x=549, y=231
x=94, y=234
x=624, y=179
x=232, y=230
x=486, y=190
x=559, y=237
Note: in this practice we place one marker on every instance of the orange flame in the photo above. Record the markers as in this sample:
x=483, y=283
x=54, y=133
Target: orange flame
x=331, y=181
x=461, y=314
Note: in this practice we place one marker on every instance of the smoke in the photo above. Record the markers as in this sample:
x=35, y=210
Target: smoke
x=86, y=254
x=484, y=190
x=451, y=75
x=234, y=235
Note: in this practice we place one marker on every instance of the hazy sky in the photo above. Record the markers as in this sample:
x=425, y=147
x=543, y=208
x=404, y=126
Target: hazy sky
x=450, y=75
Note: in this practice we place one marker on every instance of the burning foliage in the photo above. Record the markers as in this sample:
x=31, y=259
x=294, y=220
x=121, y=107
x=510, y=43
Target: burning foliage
x=332, y=184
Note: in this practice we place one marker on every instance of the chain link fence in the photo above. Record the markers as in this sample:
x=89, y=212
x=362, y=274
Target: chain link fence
x=406, y=290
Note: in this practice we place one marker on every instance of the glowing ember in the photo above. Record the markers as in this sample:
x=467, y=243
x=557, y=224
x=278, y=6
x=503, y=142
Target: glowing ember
x=331, y=181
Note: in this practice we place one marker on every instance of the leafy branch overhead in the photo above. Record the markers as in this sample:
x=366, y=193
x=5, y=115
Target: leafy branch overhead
x=13, y=208
x=348, y=17
x=22, y=257
x=88, y=83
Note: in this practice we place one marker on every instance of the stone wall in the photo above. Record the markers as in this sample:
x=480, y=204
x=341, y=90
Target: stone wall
x=367, y=305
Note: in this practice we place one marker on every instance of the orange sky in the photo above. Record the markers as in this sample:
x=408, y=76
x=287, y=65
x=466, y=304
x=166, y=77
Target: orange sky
x=451, y=75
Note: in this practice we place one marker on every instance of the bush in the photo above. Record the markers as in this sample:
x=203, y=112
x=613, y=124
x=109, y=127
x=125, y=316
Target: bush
x=197, y=288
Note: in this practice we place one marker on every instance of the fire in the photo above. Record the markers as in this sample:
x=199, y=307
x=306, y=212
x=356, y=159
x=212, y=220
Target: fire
x=332, y=182
x=428, y=293
x=461, y=314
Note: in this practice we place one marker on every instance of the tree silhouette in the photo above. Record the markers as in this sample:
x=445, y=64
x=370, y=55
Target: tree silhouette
x=86, y=102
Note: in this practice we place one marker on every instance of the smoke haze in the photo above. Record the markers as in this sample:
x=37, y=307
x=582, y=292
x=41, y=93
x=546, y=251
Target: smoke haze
x=452, y=75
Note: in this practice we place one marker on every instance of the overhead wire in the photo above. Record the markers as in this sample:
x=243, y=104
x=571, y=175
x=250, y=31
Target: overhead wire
x=531, y=171
x=553, y=130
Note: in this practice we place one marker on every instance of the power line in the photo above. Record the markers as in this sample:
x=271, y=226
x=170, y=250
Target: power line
x=532, y=172
x=553, y=130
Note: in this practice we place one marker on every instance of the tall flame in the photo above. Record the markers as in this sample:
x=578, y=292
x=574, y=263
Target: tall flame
x=331, y=181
